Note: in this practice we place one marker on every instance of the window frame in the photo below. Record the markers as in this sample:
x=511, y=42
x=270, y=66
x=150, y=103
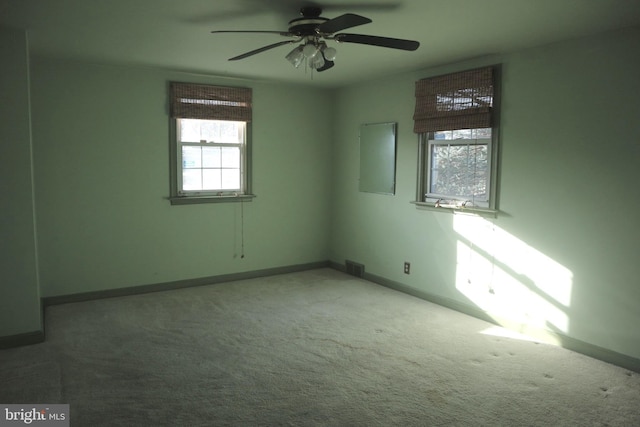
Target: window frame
x=227, y=98
x=203, y=143
x=476, y=117
x=435, y=197
x=424, y=200
x=179, y=197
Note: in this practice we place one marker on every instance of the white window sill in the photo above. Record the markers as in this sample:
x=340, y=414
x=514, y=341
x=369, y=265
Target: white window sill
x=457, y=209
x=191, y=200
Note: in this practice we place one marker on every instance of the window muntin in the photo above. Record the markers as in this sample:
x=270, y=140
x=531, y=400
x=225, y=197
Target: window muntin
x=211, y=157
x=458, y=167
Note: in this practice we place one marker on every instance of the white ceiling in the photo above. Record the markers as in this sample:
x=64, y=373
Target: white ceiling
x=176, y=33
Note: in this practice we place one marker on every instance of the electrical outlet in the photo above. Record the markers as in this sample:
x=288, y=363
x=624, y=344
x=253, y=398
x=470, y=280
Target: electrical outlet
x=407, y=268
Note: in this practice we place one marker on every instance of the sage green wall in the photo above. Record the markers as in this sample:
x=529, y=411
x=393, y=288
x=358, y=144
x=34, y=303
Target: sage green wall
x=101, y=138
x=19, y=299
x=567, y=233
x=566, y=236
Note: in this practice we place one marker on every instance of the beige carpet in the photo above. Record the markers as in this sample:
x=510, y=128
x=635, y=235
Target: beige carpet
x=316, y=348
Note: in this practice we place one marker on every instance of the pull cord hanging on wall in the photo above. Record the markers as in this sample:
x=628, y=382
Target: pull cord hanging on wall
x=241, y=229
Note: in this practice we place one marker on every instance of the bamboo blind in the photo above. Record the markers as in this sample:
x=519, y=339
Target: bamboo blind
x=199, y=101
x=462, y=100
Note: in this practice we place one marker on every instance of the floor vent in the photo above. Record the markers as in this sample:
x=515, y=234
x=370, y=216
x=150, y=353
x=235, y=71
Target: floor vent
x=354, y=269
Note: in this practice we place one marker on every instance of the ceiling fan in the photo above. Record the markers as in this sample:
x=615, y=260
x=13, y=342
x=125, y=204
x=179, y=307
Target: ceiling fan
x=312, y=31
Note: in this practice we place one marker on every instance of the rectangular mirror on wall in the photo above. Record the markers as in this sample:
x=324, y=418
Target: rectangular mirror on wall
x=378, y=158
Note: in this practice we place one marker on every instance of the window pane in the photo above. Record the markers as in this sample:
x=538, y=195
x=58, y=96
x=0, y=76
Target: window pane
x=219, y=131
x=211, y=157
x=230, y=157
x=484, y=133
x=189, y=130
x=222, y=131
x=211, y=179
x=231, y=179
x=459, y=171
x=191, y=157
x=191, y=179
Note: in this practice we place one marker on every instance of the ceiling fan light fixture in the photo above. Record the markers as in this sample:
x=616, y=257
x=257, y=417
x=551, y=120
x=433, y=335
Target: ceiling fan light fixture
x=329, y=53
x=310, y=50
x=311, y=31
x=295, y=57
x=316, y=62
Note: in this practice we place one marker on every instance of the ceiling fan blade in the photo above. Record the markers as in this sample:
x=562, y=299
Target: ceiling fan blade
x=282, y=33
x=363, y=6
x=342, y=22
x=378, y=41
x=262, y=49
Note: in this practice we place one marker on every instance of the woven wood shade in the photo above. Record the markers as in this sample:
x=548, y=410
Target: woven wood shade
x=198, y=101
x=454, y=101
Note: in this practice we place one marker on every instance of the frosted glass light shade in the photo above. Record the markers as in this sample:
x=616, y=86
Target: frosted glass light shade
x=295, y=57
x=310, y=50
x=316, y=62
x=329, y=53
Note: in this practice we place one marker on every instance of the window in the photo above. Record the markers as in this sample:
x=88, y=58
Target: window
x=455, y=121
x=458, y=169
x=210, y=149
x=211, y=153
